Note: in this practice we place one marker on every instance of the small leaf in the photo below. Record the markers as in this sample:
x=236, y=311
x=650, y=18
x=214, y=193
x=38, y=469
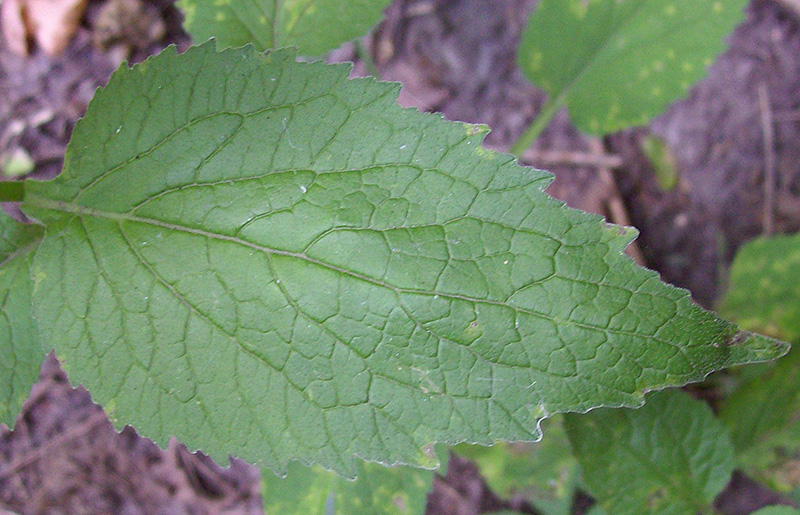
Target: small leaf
x=618, y=63
x=544, y=472
x=264, y=258
x=19, y=341
x=763, y=417
x=313, y=26
x=377, y=491
x=764, y=289
x=671, y=456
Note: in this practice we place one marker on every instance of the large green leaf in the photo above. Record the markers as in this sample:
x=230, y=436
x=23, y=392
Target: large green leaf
x=20, y=352
x=377, y=491
x=313, y=26
x=670, y=457
x=764, y=289
x=618, y=63
x=265, y=258
x=544, y=472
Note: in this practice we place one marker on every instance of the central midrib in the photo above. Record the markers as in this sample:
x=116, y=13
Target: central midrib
x=82, y=211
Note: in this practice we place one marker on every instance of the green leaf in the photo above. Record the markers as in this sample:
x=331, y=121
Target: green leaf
x=618, y=63
x=377, y=491
x=19, y=341
x=313, y=26
x=763, y=418
x=545, y=472
x=777, y=510
x=264, y=258
x=672, y=456
x=764, y=290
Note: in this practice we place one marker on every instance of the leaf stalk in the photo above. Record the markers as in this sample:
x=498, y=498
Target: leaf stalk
x=538, y=125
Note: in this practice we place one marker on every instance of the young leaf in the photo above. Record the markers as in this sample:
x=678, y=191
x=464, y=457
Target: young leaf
x=764, y=289
x=313, y=26
x=262, y=257
x=618, y=63
x=544, y=472
x=19, y=341
x=671, y=456
x=377, y=491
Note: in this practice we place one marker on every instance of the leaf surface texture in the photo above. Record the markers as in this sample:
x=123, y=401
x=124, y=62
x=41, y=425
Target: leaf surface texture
x=313, y=26
x=264, y=258
x=19, y=340
x=670, y=457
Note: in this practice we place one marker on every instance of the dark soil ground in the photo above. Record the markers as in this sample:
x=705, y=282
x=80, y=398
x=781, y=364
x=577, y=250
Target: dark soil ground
x=456, y=57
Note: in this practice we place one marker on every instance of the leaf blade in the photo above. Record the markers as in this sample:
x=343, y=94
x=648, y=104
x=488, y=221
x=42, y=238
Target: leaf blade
x=248, y=248
x=377, y=490
x=19, y=341
x=270, y=24
x=669, y=457
x=619, y=63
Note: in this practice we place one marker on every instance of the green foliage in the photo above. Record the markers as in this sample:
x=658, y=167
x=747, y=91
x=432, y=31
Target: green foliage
x=777, y=510
x=671, y=456
x=763, y=413
x=764, y=289
x=662, y=160
x=313, y=26
x=544, y=472
x=262, y=257
x=21, y=354
x=618, y=63
x=378, y=490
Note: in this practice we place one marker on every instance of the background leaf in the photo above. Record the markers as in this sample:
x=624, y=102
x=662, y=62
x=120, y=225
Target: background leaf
x=21, y=352
x=764, y=289
x=264, y=258
x=377, y=491
x=671, y=456
x=313, y=26
x=618, y=63
x=777, y=510
x=544, y=472
x=763, y=413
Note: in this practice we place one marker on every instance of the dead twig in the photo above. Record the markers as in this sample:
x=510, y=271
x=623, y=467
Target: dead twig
x=571, y=158
x=616, y=209
x=768, y=134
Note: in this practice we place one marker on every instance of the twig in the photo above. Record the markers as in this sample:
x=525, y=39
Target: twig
x=556, y=157
x=616, y=209
x=769, y=158
x=73, y=432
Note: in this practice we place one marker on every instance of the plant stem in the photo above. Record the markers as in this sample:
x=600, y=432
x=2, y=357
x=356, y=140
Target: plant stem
x=12, y=191
x=541, y=121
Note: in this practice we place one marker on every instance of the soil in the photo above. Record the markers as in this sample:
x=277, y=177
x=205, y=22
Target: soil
x=456, y=57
